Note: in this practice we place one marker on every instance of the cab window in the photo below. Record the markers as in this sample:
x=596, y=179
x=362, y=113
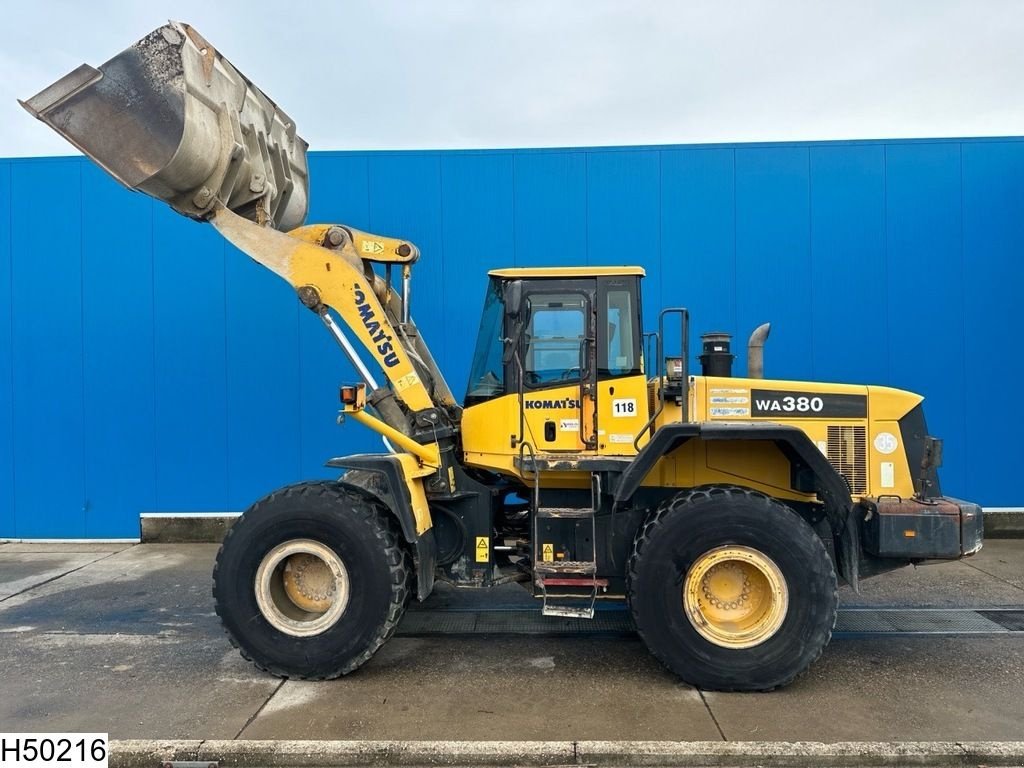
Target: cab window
x=487, y=374
x=554, y=338
x=621, y=358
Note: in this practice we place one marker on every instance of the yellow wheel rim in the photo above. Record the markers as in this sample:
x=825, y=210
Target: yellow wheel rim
x=736, y=597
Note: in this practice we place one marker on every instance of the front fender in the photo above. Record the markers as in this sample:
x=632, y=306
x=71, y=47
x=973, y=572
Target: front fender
x=402, y=494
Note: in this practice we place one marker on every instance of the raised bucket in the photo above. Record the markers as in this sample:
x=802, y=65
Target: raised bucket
x=172, y=118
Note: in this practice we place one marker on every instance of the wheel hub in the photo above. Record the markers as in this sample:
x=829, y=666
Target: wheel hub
x=735, y=596
x=302, y=587
x=309, y=582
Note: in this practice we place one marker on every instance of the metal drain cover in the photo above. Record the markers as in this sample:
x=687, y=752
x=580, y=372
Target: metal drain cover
x=914, y=621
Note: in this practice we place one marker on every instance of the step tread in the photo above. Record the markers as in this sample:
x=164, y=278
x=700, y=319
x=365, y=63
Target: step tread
x=566, y=566
x=568, y=611
x=580, y=512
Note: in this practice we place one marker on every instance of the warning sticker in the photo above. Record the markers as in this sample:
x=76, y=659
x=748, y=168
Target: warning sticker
x=406, y=381
x=548, y=552
x=729, y=411
x=483, y=549
x=888, y=475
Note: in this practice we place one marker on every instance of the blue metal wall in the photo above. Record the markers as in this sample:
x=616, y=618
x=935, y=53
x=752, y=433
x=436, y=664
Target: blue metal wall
x=147, y=366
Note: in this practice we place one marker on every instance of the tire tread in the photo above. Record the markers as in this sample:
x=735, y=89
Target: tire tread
x=677, y=504
x=385, y=530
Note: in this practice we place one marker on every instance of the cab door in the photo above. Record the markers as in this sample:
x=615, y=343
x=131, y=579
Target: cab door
x=558, y=366
x=621, y=391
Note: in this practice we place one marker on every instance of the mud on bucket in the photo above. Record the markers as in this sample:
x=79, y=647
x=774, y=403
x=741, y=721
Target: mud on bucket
x=173, y=118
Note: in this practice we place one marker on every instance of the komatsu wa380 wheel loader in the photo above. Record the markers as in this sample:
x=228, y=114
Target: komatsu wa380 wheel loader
x=723, y=510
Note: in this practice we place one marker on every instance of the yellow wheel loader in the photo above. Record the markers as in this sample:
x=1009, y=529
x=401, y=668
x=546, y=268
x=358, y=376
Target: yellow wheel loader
x=723, y=510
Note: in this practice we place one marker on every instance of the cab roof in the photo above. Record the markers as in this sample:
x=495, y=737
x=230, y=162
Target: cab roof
x=527, y=272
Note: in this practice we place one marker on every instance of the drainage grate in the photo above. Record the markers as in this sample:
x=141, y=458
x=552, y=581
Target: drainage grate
x=507, y=622
x=1012, y=619
x=437, y=623
x=914, y=621
x=851, y=621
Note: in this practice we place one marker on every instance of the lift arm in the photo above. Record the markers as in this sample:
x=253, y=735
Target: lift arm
x=325, y=279
x=171, y=117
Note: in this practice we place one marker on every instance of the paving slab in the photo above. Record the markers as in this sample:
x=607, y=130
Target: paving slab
x=148, y=584
x=1002, y=559
x=945, y=584
x=65, y=547
x=128, y=645
x=21, y=570
x=494, y=688
x=920, y=688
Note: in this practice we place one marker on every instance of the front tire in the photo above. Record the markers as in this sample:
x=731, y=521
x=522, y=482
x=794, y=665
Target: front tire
x=731, y=590
x=311, y=581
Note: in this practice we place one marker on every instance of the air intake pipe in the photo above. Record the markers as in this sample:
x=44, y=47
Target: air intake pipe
x=717, y=358
x=755, y=351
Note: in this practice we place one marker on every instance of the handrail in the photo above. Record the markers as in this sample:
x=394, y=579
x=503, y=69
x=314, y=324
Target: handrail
x=684, y=322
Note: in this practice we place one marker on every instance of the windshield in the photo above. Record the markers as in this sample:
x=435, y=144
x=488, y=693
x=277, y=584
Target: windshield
x=487, y=373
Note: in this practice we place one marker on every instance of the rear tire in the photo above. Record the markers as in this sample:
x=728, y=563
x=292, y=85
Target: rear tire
x=731, y=590
x=311, y=581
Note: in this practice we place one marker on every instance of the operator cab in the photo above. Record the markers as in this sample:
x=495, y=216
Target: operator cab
x=558, y=361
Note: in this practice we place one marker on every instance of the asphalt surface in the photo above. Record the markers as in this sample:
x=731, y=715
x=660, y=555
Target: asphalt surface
x=123, y=639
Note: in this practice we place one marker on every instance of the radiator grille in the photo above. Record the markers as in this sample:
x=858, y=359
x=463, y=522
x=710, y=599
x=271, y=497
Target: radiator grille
x=847, y=452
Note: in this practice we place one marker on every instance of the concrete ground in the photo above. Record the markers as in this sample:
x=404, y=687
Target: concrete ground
x=123, y=639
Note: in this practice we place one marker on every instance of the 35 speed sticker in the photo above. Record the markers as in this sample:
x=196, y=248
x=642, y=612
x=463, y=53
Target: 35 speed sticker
x=72, y=750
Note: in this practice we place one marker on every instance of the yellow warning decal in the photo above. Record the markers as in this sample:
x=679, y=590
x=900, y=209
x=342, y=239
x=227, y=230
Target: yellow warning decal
x=406, y=381
x=548, y=552
x=483, y=549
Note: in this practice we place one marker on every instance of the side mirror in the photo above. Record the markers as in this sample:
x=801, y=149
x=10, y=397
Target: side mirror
x=514, y=298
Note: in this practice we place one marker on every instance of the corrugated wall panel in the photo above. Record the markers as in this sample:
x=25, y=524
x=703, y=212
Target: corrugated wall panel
x=405, y=201
x=925, y=274
x=478, y=235
x=848, y=289
x=993, y=177
x=773, y=259
x=339, y=194
x=262, y=356
x=46, y=302
x=624, y=214
x=117, y=317
x=177, y=376
x=189, y=362
x=698, y=243
x=6, y=363
x=550, y=208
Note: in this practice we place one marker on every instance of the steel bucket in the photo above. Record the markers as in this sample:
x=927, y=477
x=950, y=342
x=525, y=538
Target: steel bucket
x=174, y=119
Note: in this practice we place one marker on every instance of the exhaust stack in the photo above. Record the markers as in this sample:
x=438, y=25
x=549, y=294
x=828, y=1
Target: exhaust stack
x=172, y=118
x=755, y=351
